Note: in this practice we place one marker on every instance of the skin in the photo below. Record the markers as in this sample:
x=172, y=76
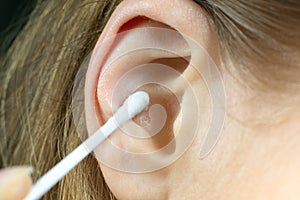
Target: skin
x=15, y=182
x=256, y=155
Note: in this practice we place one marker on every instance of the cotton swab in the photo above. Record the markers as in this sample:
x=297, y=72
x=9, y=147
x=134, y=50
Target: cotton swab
x=133, y=105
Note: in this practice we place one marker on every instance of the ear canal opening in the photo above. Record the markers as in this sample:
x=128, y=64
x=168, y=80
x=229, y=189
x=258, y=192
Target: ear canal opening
x=160, y=95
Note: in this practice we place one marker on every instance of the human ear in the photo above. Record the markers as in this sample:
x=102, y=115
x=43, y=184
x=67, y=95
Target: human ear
x=132, y=53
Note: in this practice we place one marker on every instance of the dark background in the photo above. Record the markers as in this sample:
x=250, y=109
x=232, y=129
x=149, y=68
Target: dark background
x=12, y=10
x=13, y=16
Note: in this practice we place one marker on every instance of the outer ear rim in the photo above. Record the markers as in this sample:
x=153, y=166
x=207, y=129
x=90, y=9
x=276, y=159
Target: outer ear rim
x=124, y=13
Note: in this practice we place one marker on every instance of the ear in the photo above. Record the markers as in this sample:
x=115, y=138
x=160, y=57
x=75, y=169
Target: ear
x=154, y=46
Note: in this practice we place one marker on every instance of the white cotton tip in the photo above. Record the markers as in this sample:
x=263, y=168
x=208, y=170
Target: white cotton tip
x=137, y=102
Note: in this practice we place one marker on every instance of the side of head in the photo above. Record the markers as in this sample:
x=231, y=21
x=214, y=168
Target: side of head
x=166, y=48
x=261, y=97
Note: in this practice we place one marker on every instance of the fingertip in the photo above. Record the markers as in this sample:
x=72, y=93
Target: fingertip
x=15, y=182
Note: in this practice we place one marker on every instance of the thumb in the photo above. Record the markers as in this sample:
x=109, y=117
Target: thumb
x=15, y=182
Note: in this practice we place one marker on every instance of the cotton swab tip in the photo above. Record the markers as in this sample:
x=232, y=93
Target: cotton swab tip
x=137, y=102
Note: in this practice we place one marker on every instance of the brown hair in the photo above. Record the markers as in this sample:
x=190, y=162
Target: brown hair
x=38, y=70
x=261, y=38
x=36, y=84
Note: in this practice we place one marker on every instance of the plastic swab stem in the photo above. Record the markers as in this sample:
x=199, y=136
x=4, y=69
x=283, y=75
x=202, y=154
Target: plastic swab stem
x=133, y=105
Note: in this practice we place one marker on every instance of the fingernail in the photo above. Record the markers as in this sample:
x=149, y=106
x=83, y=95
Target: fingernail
x=15, y=182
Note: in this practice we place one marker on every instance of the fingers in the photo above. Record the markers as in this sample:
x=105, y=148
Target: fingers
x=15, y=182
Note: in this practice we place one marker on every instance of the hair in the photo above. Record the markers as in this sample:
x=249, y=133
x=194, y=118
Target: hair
x=261, y=38
x=39, y=67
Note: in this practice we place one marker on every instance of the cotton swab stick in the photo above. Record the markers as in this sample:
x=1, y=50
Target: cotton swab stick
x=133, y=105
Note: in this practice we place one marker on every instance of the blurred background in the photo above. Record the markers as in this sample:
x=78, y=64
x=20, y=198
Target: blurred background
x=13, y=16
